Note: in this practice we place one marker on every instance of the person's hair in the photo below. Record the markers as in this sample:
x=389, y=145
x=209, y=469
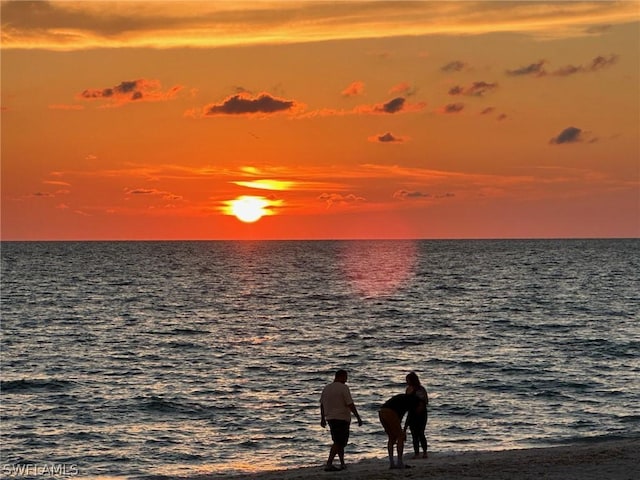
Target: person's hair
x=413, y=380
x=341, y=373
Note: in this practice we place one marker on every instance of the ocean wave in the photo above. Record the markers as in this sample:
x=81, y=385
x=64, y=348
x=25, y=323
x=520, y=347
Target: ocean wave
x=178, y=407
x=36, y=385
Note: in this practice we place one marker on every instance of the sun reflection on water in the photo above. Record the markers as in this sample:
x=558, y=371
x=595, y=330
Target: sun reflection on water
x=377, y=269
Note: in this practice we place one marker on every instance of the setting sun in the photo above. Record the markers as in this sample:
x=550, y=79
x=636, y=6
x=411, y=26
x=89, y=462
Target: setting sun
x=249, y=209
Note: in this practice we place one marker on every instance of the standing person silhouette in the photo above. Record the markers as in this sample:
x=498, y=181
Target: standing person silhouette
x=391, y=415
x=418, y=421
x=336, y=407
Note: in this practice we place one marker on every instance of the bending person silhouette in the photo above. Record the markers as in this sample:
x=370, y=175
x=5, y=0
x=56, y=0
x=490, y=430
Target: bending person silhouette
x=391, y=414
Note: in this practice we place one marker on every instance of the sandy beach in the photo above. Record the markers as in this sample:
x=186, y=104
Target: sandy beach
x=607, y=460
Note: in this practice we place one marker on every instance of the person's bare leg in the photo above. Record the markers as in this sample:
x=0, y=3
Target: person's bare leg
x=332, y=454
x=341, y=455
x=400, y=452
x=390, y=450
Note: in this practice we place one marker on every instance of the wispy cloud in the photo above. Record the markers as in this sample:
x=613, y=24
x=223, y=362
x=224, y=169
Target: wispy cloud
x=141, y=90
x=454, y=66
x=332, y=199
x=538, y=69
x=63, y=25
x=488, y=111
x=451, y=108
x=396, y=105
x=152, y=192
x=42, y=195
x=57, y=182
x=533, y=69
x=414, y=194
x=354, y=89
x=403, y=88
x=598, y=63
x=404, y=194
x=267, y=184
x=476, y=89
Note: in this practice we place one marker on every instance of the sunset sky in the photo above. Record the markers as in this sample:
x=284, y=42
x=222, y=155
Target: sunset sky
x=148, y=120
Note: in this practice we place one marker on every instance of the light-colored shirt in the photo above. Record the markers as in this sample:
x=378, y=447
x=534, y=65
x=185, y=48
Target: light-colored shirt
x=335, y=400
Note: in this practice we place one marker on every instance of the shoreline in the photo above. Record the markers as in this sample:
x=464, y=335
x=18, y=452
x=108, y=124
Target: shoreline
x=600, y=460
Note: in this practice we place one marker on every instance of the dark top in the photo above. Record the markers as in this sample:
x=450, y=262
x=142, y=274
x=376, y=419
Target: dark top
x=401, y=404
x=423, y=401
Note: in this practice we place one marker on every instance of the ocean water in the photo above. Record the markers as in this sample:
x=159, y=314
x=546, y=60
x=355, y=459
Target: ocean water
x=144, y=359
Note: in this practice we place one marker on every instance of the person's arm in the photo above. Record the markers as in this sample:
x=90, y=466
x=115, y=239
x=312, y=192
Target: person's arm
x=354, y=410
x=323, y=422
x=411, y=412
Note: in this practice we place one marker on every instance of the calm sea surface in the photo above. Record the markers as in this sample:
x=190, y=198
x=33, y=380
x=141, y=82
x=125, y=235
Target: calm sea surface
x=134, y=359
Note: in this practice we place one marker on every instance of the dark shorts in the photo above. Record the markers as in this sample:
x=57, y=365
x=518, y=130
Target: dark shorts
x=339, y=431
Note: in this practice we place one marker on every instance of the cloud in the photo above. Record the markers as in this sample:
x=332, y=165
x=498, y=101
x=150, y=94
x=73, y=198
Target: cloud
x=568, y=135
x=267, y=184
x=396, y=106
x=405, y=194
x=598, y=29
x=403, y=88
x=338, y=199
x=386, y=138
x=152, y=192
x=142, y=191
x=42, y=195
x=131, y=91
x=245, y=104
x=392, y=106
x=454, y=66
x=85, y=25
x=476, y=89
x=537, y=69
x=601, y=62
x=57, y=182
x=533, y=69
x=490, y=110
x=354, y=89
x=414, y=194
x=452, y=108
x=598, y=63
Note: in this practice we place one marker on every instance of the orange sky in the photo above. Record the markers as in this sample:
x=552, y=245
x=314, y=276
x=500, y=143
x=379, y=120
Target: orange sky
x=144, y=120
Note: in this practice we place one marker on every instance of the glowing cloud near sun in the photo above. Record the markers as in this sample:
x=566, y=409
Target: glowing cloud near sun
x=267, y=184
